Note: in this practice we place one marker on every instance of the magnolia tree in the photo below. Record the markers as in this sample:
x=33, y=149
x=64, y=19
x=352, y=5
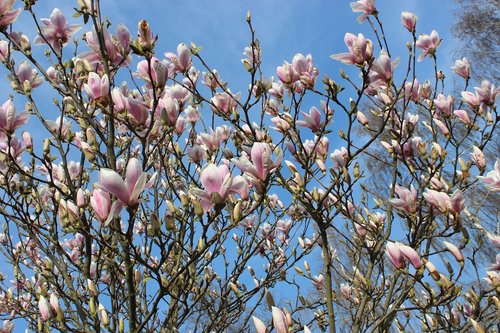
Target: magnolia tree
x=168, y=203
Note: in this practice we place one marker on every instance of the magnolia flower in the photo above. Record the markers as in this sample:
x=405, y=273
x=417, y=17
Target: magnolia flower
x=444, y=104
x=407, y=199
x=382, y=69
x=261, y=165
x=100, y=201
x=311, y=120
x=487, y=92
x=360, y=50
x=339, y=157
x=56, y=31
x=117, y=46
x=444, y=203
x=28, y=77
x=9, y=120
x=7, y=15
x=365, y=7
x=455, y=251
x=44, y=308
x=462, y=115
x=492, y=179
x=409, y=21
x=470, y=99
x=279, y=320
x=182, y=60
x=218, y=185
x=7, y=327
x=478, y=158
x=462, y=68
x=428, y=44
x=97, y=88
x=394, y=254
x=224, y=103
x=259, y=325
x=128, y=190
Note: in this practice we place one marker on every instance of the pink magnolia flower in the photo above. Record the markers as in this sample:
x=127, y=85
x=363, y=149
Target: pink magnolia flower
x=9, y=120
x=56, y=31
x=478, y=158
x=311, y=120
x=462, y=115
x=339, y=157
x=7, y=327
x=411, y=91
x=487, y=92
x=7, y=15
x=409, y=21
x=365, y=7
x=360, y=50
x=287, y=74
x=128, y=190
x=279, y=320
x=169, y=110
x=44, y=307
x=305, y=71
x=407, y=199
x=492, y=179
x=382, y=69
x=149, y=71
x=4, y=50
x=363, y=120
x=470, y=99
x=100, y=202
x=428, y=44
x=394, y=254
x=97, y=88
x=117, y=46
x=410, y=254
x=462, y=68
x=444, y=104
x=261, y=165
x=218, y=185
x=28, y=77
x=259, y=325
x=444, y=203
x=182, y=60
x=224, y=103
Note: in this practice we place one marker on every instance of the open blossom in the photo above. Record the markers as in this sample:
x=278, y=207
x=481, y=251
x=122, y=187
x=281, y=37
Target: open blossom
x=9, y=120
x=339, y=157
x=360, y=50
x=225, y=103
x=27, y=76
x=117, y=46
x=56, y=31
x=444, y=203
x=462, y=68
x=382, y=70
x=182, y=60
x=97, y=88
x=407, y=199
x=219, y=184
x=128, y=190
x=470, y=99
x=261, y=165
x=444, y=104
x=311, y=120
x=487, y=92
x=492, y=179
x=7, y=15
x=365, y=7
x=44, y=307
x=428, y=44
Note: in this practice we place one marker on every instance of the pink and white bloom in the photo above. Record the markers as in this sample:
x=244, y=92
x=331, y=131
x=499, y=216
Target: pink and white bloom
x=224, y=103
x=487, y=92
x=117, y=46
x=444, y=203
x=44, y=308
x=409, y=21
x=261, y=165
x=56, y=31
x=279, y=320
x=182, y=60
x=360, y=50
x=7, y=327
x=444, y=104
x=394, y=254
x=365, y=7
x=9, y=120
x=492, y=179
x=97, y=88
x=407, y=199
x=462, y=115
x=462, y=68
x=7, y=15
x=428, y=44
x=100, y=201
x=128, y=190
x=218, y=184
x=259, y=325
x=311, y=120
x=470, y=99
x=410, y=254
x=339, y=157
x=478, y=158
x=382, y=70
x=27, y=76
